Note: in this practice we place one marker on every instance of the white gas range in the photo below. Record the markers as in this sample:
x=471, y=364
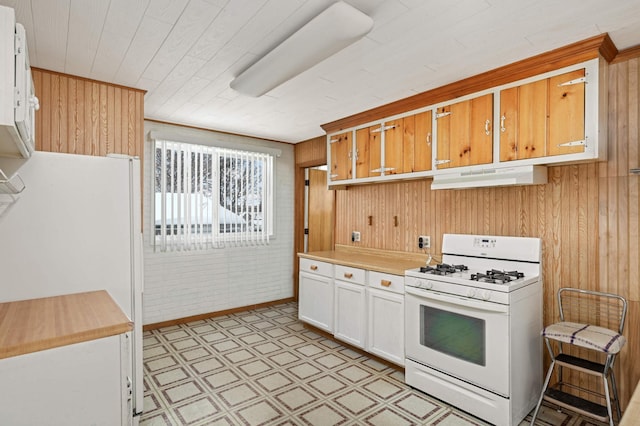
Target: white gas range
x=472, y=326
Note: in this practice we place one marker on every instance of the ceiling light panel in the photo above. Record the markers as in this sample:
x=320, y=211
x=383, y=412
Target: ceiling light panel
x=339, y=26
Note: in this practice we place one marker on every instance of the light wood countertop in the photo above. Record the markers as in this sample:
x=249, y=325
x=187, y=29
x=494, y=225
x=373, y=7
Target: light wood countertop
x=390, y=262
x=38, y=324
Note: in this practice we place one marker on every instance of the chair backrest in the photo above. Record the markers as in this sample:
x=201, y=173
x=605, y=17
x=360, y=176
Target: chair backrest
x=592, y=307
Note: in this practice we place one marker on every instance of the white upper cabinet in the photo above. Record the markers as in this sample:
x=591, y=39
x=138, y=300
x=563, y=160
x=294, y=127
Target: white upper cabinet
x=18, y=102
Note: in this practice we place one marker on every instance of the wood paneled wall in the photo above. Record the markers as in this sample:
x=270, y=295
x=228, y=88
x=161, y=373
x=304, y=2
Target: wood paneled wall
x=587, y=216
x=309, y=153
x=81, y=116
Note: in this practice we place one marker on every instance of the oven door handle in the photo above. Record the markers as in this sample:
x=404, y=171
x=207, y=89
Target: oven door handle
x=458, y=301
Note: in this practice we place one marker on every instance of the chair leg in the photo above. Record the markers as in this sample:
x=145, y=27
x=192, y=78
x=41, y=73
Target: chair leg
x=544, y=388
x=614, y=387
x=605, y=383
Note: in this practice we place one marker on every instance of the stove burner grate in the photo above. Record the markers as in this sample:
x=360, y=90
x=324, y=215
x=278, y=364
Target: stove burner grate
x=443, y=269
x=497, y=277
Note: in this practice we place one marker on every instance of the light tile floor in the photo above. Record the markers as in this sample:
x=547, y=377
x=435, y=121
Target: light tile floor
x=263, y=367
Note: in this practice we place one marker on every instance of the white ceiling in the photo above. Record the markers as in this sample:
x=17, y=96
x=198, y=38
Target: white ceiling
x=185, y=53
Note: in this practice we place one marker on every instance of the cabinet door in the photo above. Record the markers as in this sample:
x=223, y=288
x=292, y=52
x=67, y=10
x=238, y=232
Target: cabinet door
x=385, y=325
x=422, y=148
x=350, y=313
x=465, y=134
x=315, y=301
x=394, y=133
x=509, y=101
x=341, y=147
x=80, y=384
x=523, y=121
x=479, y=150
x=368, y=143
x=453, y=134
x=566, y=113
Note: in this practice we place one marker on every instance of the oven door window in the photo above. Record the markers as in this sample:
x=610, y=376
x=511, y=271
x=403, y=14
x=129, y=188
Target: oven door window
x=454, y=334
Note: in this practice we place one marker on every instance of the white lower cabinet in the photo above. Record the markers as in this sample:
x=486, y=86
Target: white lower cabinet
x=315, y=297
x=360, y=307
x=80, y=384
x=350, y=313
x=385, y=319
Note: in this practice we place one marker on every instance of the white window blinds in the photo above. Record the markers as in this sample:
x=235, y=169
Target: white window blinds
x=211, y=197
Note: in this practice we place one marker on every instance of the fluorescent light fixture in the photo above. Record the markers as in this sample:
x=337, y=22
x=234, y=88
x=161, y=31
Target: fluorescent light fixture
x=331, y=31
x=517, y=175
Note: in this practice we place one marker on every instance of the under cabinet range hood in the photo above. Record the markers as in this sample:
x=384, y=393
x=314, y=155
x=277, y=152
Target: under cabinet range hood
x=478, y=178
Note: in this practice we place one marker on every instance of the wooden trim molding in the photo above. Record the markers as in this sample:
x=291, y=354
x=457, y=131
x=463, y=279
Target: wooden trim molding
x=627, y=54
x=200, y=317
x=569, y=55
x=361, y=351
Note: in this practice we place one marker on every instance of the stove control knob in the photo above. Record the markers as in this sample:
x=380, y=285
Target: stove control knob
x=421, y=283
x=428, y=285
x=486, y=295
x=471, y=292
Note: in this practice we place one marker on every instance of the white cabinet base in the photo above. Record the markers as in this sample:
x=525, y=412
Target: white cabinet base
x=385, y=337
x=315, y=301
x=79, y=384
x=350, y=313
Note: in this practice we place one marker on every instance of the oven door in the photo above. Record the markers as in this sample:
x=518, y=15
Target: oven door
x=462, y=337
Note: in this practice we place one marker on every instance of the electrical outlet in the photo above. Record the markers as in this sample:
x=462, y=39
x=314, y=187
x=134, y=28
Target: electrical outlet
x=424, y=241
x=355, y=236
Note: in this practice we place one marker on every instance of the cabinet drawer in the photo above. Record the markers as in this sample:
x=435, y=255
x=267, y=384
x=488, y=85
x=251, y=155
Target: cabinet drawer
x=349, y=274
x=316, y=267
x=394, y=283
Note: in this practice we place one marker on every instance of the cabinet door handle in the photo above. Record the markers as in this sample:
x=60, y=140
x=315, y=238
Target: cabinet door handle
x=348, y=275
x=385, y=283
x=502, y=119
x=313, y=267
x=429, y=138
x=487, y=130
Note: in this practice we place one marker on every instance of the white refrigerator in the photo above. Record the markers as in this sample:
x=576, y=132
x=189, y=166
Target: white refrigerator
x=76, y=227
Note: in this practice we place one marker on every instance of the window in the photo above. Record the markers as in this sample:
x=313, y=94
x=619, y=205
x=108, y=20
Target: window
x=210, y=197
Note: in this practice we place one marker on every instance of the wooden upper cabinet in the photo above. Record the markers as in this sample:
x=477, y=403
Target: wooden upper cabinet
x=523, y=121
x=543, y=118
x=407, y=146
x=341, y=148
x=465, y=133
x=480, y=150
x=567, y=113
x=551, y=118
x=394, y=132
x=364, y=141
x=417, y=146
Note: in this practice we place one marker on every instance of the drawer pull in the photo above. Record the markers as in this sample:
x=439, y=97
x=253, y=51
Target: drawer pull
x=313, y=267
x=385, y=283
x=348, y=275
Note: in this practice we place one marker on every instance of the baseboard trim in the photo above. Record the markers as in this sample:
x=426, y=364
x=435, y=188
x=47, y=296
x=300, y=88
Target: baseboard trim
x=353, y=348
x=199, y=317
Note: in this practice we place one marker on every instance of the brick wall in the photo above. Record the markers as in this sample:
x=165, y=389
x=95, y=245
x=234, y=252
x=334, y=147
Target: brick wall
x=183, y=284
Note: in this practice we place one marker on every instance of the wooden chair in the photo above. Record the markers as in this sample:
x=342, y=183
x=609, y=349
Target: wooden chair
x=591, y=324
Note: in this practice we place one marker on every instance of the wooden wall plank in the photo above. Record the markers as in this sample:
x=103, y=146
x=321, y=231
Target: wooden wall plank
x=309, y=153
x=81, y=116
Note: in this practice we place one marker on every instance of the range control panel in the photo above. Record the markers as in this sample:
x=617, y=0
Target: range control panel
x=484, y=242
